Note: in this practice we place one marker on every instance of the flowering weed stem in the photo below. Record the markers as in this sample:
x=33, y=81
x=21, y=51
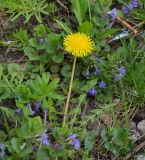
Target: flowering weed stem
x=69, y=92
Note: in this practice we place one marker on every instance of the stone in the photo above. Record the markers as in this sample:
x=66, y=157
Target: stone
x=141, y=126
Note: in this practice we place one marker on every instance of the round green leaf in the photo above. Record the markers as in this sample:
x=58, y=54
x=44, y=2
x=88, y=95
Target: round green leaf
x=58, y=58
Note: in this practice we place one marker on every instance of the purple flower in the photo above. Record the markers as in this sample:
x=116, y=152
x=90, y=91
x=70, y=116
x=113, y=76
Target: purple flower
x=102, y=84
x=116, y=78
x=18, y=111
x=97, y=71
x=112, y=14
x=87, y=72
x=122, y=71
x=125, y=10
x=1, y=150
x=97, y=54
x=104, y=17
x=30, y=109
x=72, y=139
x=43, y=138
x=92, y=92
x=134, y=3
x=37, y=105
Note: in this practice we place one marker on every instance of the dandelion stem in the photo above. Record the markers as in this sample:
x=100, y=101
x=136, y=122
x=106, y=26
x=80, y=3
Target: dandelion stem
x=69, y=92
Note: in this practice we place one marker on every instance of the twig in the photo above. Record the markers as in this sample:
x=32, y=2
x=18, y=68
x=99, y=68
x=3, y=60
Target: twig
x=60, y=3
x=137, y=148
x=45, y=117
x=21, y=59
x=125, y=24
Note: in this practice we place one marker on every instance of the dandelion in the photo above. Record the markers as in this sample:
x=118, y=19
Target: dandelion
x=102, y=84
x=72, y=139
x=78, y=44
x=43, y=138
x=92, y=92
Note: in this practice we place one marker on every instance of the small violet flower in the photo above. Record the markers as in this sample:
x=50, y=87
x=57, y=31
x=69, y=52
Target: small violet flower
x=43, y=138
x=18, y=111
x=92, y=92
x=37, y=105
x=122, y=71
x=87, y=72
x=125, y=10
x=112, y=14
x=97, y=54
x=116, y=78
x=132, y=5
x=102, y=84
x=72, y=139
x=97, y=71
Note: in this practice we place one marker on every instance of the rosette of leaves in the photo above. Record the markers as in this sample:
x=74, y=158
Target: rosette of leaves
x=23, y=94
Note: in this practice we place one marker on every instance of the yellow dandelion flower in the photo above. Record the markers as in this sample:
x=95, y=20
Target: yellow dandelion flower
x=78, y=44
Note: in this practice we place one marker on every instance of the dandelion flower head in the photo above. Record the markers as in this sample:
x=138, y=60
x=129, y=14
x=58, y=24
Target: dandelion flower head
x=78, y=44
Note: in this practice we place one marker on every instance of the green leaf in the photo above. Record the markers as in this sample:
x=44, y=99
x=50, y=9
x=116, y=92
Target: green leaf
x=1, y=71
x=89, y=84
x=107, y=33
x=9, y=112
x=64, y=26
x=35, y=125
x=27, y=149
x=42, y=155
x=5, y=92
x=89, y=140
x=80, y=8
x=66, y=70
x=58, y=58
x=54, y=69
x=86, y=27
x=52, y=41
x=16, y=143
x=31, y=53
